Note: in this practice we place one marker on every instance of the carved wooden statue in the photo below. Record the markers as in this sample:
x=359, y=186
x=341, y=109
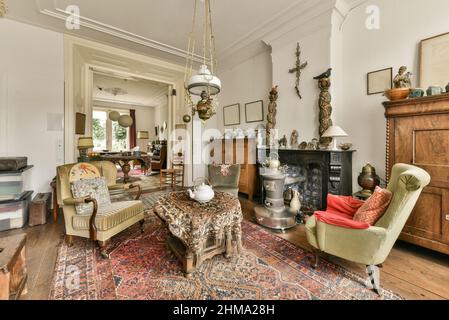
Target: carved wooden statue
x=271, y=117
x=403, y=79
x=298, y=69
x=324, y=83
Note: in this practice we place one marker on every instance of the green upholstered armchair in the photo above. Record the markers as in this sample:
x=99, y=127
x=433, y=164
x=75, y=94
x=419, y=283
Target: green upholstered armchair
x=104, y=222
x=229, y=182
x=372, y=246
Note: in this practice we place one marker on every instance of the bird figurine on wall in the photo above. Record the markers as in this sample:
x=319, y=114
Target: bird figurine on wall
x=326, y=74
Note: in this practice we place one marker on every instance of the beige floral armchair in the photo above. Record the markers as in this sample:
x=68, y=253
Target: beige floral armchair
x=104, y=222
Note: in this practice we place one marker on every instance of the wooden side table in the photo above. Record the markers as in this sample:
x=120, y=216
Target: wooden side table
x=13, y=271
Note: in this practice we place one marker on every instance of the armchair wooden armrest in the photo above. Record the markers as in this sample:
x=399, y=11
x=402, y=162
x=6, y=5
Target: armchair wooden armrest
x=75, y=201
x=128, y=186
x=87, y=199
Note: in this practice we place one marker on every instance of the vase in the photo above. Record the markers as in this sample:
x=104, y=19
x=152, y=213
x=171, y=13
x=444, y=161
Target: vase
x=295, y=204
x=368, y=180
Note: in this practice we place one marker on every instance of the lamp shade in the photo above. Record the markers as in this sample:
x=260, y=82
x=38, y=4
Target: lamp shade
x=85, y=143
x=204, y=81
x=125, y=121
x=333, y=132
x=114, y=115
x=143, y=135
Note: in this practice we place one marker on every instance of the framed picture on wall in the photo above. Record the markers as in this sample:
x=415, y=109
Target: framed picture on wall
x=379, y=81
x=434, y=61
x=80, y=123
x=254, y=111
x=231, y=115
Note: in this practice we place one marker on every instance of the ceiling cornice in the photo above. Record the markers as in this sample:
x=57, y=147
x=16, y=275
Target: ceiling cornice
x=111, y=30
x=307, y=16
x=118, y=102
x=292, y=17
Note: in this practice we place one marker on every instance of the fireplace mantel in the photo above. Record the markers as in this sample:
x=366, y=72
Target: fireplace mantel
x=321, y=172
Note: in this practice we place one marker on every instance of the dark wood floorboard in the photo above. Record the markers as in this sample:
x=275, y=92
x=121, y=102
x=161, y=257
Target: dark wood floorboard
x=411, y=271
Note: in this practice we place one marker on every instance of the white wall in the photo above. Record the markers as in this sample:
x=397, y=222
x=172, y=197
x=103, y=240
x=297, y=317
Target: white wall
x=404, y=23
x=31, y=92
x=247, y=82
x=295, y=113
x=161, y=116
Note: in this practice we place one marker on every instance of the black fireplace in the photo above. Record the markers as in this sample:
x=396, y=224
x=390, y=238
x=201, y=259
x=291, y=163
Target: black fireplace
x=315, y=174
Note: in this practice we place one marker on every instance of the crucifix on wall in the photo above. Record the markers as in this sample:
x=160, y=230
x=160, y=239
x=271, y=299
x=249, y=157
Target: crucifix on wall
x=298, y=69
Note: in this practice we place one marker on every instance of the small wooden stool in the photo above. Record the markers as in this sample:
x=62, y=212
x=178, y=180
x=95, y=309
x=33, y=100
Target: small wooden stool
x=13, y=271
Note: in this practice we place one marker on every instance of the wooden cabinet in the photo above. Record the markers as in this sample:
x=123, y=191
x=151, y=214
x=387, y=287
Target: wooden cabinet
x=239, y=151
x=418, y=134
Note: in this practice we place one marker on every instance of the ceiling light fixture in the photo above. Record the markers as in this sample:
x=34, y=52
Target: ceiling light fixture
x=203, y=84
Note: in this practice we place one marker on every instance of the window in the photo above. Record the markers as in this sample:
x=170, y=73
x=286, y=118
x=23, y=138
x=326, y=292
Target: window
x=108, y=135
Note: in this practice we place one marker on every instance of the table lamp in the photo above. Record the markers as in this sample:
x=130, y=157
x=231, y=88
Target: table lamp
x=334, y=132
x=84, y=144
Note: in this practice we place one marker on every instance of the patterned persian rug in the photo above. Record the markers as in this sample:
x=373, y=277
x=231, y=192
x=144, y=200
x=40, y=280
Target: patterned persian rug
x=142, y=267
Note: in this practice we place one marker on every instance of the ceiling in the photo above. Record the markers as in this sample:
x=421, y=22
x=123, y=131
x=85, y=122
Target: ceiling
x=139, y=92
x=159, y=27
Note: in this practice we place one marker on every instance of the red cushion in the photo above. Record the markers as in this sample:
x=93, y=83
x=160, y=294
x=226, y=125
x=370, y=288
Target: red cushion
x=340, y=220
x=341, y=204
x=340, y=212
x=374, y=208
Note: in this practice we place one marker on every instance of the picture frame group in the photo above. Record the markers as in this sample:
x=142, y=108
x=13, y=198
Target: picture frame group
x=253, y=113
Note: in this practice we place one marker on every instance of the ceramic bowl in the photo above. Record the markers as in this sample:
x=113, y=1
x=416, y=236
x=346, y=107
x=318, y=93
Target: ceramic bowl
x=345, y=146
x=397, y=93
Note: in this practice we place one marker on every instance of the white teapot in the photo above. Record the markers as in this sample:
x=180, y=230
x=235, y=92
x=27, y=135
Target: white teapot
x=273, y=162
x=203, y=192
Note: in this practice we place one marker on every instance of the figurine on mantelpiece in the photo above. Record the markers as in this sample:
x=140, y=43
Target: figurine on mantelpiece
x=294, y=139
x=283, y=142
x=403, y=79
x=313, y=145
x=303, y=145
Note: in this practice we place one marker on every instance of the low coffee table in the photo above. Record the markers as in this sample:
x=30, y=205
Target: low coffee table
x=200, y=231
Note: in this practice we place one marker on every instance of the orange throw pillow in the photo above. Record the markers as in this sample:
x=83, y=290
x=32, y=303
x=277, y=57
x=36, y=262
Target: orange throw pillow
x=374, y=208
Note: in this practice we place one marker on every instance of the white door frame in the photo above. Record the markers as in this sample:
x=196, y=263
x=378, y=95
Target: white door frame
x=71, y=44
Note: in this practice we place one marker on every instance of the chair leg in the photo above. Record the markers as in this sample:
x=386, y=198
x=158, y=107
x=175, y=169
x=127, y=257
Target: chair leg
x=102, y=245
x=142, y=227
x=316, y=260
x=69, y=240
x=374, y=276
x=160, y=178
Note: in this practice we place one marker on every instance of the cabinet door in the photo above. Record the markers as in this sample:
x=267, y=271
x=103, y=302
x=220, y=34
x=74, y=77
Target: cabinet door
x=430, y=218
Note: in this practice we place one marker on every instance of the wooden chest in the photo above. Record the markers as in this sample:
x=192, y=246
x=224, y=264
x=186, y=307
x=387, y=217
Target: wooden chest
x=13, y=271
x=418, y=134
x=39, y=209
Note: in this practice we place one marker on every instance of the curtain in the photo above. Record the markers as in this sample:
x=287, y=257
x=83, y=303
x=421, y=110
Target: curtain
x=132, y=130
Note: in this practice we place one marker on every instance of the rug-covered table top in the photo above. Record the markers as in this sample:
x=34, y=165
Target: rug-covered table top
x=192, y=221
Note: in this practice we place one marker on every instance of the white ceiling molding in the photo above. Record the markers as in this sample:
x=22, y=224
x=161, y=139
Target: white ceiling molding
x=92, y=24
x=89, y=49
x=307, y=16
x=309, y=21
x=119, y=102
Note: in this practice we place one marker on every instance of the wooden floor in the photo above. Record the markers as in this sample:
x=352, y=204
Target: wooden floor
x=412, y=272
